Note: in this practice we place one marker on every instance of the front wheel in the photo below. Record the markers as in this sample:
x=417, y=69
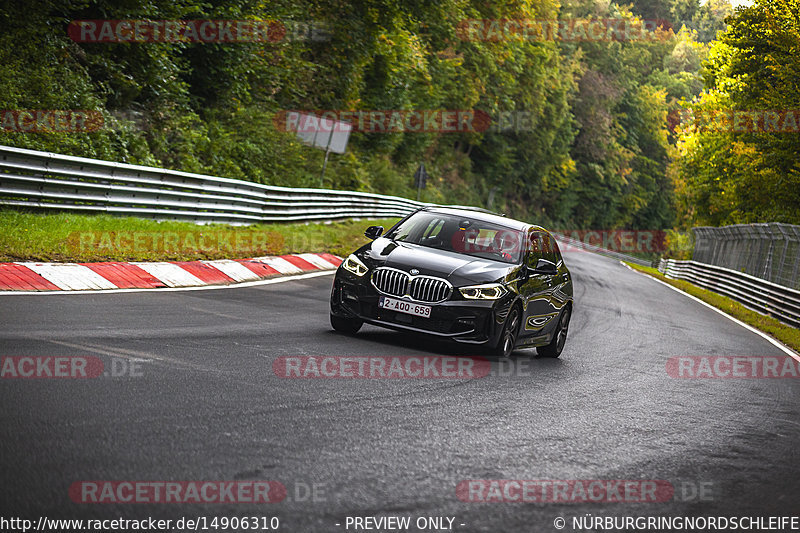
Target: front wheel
x=557, y=344
x=346, y=325
x=505, y=344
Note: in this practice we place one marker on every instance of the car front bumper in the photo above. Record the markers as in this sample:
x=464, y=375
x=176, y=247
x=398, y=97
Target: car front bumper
x=465, y=321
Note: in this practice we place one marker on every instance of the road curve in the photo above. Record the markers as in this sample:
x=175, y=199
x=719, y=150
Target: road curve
x=205, y=404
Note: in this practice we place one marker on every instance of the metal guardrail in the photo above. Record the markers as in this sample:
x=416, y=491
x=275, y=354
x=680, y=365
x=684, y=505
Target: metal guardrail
x=768, y=251
x=574, y=243
x=778, y=301
x=44, y=180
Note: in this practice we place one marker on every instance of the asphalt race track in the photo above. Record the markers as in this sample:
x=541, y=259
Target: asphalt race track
x=204, y=404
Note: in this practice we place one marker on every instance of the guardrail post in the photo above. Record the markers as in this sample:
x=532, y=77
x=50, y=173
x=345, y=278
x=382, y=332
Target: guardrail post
x=793, y=281
x=767, y=234
x=701, y=244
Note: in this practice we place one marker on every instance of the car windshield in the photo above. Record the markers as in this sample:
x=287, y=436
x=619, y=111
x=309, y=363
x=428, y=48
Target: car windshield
x=462, y=235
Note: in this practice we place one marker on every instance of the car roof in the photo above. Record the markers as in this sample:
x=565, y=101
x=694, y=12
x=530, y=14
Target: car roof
x=482, y=215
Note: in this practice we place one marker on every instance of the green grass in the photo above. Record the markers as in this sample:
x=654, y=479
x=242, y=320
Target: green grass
x=786, y=334
x=67, y=237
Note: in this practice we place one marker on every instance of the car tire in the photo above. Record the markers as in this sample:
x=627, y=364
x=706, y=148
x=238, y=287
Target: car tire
x=508, y=338
x=556, y=346
x=346, y=325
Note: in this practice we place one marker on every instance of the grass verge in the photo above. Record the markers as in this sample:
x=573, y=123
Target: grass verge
x=69, y=237
x=786, y=334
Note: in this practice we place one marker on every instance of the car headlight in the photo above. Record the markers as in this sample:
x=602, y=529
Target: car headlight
x=491, y=291
x=353, y=264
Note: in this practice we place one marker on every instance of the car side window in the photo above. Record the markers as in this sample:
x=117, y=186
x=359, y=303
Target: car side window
x=403, y=232
x=549, y=248
x=556, y=252
x=535, y=247
x=433, y=229
x=541, y=246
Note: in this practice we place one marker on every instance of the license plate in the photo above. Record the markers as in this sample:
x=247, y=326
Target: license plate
x=405, y=307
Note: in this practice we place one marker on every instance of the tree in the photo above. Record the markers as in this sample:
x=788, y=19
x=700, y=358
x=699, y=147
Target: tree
x=750, y=175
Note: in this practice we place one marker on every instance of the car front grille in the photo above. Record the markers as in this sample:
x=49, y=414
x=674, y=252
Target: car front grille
x=420, y=288
x=429, y=289
x=390, y=281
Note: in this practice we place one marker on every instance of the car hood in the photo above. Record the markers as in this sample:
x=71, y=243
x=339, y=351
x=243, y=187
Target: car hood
x=459, y=269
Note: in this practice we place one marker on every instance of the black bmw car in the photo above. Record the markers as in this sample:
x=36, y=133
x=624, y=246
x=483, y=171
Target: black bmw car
x=459, y=274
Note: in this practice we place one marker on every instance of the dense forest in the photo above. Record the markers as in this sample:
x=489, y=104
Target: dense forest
x=611, y=136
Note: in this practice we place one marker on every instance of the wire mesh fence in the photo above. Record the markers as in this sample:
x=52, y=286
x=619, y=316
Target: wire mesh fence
x=768, y=251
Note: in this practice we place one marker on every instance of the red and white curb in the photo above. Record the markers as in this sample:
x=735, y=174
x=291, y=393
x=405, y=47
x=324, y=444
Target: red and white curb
x=42, y=277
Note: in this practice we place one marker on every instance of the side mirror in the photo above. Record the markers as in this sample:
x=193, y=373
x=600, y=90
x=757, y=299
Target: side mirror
x=543, y=266
x=373, y=232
